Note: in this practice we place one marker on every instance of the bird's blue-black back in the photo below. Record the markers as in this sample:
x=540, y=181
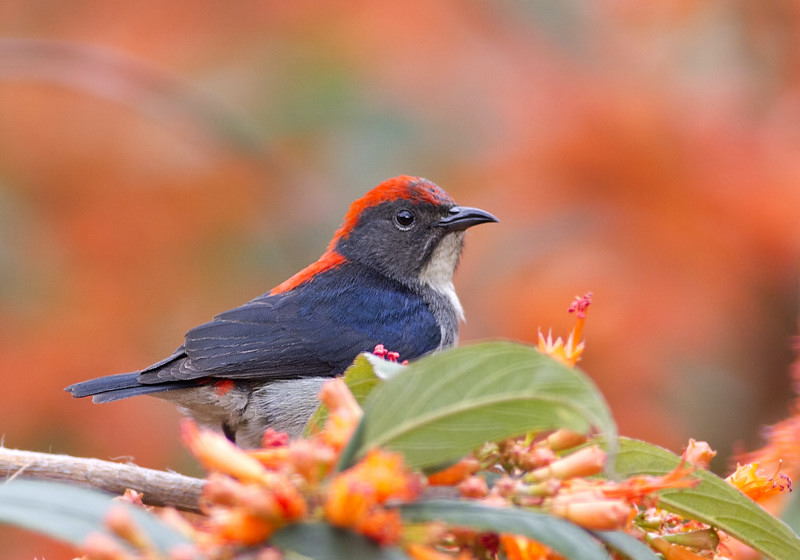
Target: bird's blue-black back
x=315, y=329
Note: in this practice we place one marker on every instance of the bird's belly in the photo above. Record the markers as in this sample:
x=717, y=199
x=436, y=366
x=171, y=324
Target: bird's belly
x=209, y=405
x=245, y=409
x=284, y=406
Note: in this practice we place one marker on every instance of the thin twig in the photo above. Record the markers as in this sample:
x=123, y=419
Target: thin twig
x=159, y=488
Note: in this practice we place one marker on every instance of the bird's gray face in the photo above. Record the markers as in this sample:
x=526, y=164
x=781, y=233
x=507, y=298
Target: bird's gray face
x=411, y=242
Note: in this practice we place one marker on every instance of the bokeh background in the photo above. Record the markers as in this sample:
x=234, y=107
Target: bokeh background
x=163, y=161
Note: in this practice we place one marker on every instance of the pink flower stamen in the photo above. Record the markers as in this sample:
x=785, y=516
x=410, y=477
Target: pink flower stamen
x=580, y=304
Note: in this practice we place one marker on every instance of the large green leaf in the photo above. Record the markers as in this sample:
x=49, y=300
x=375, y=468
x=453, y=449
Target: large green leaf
x=443, y=406
x=69, y=513
x=320, y=541
x=713, y=501
x=564, y=537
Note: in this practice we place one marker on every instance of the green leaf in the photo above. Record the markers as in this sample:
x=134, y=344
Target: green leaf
x=564, y=537
x=444, y=405
x=320, y=541
x=69, y=513
x=713, y=501
x=367, y=371
x=626, y=545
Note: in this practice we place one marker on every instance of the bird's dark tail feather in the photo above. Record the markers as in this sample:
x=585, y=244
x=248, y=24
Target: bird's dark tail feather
x=120, y=386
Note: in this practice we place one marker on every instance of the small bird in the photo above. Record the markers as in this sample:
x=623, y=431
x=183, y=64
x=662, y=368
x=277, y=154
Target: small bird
x=385, y=278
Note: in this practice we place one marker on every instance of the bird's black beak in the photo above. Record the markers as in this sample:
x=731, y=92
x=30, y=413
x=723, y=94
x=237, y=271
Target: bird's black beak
x=463, y=217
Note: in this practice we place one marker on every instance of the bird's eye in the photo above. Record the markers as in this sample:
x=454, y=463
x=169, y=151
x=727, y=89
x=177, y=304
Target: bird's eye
x=404, y=220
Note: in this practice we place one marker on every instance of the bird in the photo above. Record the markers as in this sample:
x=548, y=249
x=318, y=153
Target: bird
x=385, y=278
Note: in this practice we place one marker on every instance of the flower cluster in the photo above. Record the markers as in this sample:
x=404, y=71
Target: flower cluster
x=536, y=475
x=757, y=485
x=251, y=495
x=356, y=497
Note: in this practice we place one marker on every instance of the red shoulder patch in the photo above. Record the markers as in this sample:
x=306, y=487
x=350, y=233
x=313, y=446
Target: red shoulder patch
x=330, y=259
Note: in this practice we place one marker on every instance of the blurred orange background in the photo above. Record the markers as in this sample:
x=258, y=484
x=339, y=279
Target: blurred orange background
x=161, y=162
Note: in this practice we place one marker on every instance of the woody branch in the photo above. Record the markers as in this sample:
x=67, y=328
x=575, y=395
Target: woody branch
x=159, y=488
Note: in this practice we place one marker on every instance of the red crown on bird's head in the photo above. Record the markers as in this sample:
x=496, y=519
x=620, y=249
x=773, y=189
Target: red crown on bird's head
x=416, y=189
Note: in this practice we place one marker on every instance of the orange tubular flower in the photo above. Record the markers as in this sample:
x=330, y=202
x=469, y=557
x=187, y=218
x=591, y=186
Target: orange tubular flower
x=753, y=483
x=673, y=551
x=348, y=501
x=311, y=460
x=218, y=454
x=638, y=488
x=272, y=458
x=337, y=397
x=291, y=504
x=355, y=496
x=353, y=504
x=274, y=451
x=238, y=526
x=381, y=525
x=249, y=513
x=564, y=439
x=568, y=354
x=455, y=473
x=593, y=510
x=584, y=462
x=344, y=414
x=388, y=475
x=473, y=487
x=523, y=548
x=698, y=453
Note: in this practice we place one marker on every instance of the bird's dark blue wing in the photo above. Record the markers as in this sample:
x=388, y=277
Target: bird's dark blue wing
x=316, y=329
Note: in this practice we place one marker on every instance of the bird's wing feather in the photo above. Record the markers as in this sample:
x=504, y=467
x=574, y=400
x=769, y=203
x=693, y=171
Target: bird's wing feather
x=315, y=329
